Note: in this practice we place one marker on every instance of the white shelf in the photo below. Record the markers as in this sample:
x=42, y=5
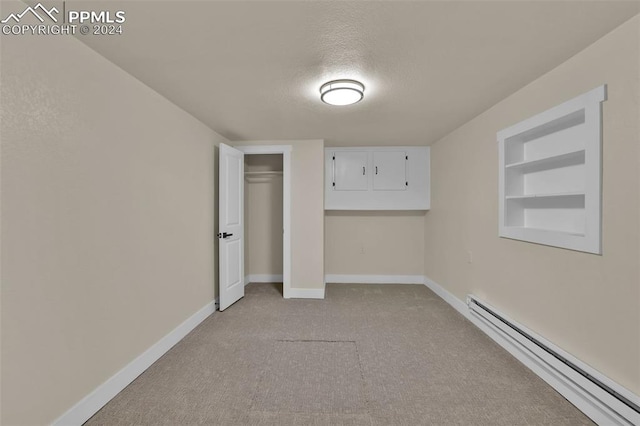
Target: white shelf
x=560, y=160
x=542, y=230
x=544, y=195
x=265, y=173
x=262, y=176
x=550, y=176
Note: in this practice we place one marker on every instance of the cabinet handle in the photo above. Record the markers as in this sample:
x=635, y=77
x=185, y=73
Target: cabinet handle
x=376, y=169
x=362, y=170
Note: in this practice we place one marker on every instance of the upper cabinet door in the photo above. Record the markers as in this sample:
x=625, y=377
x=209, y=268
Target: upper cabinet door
x=389, y=171
x=350, y=171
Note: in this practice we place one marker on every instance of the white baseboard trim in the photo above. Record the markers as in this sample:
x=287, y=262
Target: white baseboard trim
x=263, y=278
x=456, y=303
x=374, y=279
x=582, y=395
x=306, y=293
x=292, y=293
x=90, y=404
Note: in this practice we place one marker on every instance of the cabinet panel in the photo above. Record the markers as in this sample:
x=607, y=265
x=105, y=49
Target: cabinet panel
x=390, y=171
x=350, y=171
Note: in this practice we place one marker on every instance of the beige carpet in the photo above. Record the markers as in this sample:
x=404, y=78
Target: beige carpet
x=366, y=355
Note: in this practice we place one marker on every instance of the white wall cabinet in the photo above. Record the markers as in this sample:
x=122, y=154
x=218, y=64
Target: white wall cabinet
x=390, y=170
x=377, y=178
x=351, y=171
x=550, y=176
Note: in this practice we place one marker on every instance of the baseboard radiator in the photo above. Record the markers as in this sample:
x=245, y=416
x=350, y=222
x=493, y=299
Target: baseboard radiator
x=603, y=400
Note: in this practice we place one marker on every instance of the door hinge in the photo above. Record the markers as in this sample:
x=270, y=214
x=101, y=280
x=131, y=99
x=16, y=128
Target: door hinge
x=406, y=157
x=406, y=184
x=334, y=184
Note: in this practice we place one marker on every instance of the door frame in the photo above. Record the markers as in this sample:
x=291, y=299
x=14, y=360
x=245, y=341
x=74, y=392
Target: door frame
x=285, y=150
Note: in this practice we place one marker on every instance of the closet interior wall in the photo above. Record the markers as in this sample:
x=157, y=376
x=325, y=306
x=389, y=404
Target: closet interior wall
x=263, y=214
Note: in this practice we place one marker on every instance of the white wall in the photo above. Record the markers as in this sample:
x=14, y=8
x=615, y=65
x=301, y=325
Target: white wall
x=589, y=305
x=107, y=222
x=374, y=243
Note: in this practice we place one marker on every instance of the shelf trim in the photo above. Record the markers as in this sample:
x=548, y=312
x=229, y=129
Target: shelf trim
x=547, y=160
x=594, y=96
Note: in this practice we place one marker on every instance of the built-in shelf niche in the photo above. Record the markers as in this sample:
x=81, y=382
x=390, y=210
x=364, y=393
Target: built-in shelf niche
x=550, y=176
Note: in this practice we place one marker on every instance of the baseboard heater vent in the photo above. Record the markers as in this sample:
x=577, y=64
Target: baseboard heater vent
x=604, y=401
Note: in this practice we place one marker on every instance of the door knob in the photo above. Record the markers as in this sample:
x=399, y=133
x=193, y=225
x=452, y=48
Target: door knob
x=224, y=235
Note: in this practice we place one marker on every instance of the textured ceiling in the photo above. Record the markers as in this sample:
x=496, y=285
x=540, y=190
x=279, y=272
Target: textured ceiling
x=252, y=70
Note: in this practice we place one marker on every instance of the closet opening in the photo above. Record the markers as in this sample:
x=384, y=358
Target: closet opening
x=267, y=195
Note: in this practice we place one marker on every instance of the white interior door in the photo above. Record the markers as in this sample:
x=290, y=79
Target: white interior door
x=231, y=226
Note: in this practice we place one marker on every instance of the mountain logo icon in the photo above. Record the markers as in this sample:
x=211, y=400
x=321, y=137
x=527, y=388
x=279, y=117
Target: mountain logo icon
x=34, y=11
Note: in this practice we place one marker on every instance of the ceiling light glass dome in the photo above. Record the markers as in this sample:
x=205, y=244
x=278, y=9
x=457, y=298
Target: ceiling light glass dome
x=342, y=92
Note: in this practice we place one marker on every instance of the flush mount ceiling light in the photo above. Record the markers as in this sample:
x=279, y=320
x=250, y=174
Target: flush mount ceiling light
x=342, y=92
